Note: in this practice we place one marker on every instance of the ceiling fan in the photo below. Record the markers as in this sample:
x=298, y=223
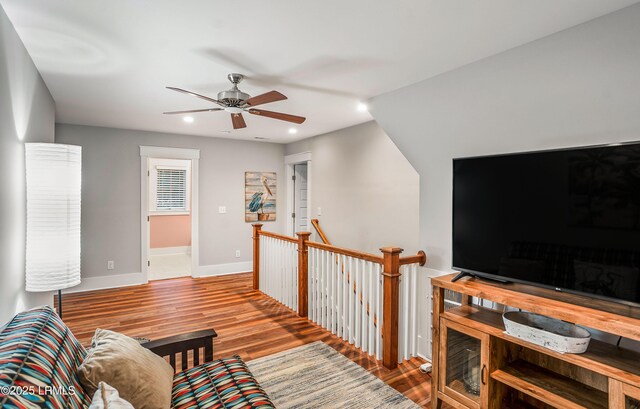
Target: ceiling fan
x=236, y=102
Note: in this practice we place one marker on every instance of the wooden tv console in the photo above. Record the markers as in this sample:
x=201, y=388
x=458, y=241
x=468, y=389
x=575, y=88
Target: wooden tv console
x=477, y=365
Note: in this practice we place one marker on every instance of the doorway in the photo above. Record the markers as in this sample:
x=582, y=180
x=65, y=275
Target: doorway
x=298, y=174
x=169, y=218
x=300, y=197
x=169, y=212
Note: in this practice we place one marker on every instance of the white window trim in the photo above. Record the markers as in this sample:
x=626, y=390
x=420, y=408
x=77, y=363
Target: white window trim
x=153, y=180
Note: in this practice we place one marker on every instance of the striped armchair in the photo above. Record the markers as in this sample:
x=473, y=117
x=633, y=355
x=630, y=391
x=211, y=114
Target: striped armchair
x=39, y=358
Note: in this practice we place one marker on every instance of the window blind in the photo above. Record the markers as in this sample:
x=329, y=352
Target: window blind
x=172, y=189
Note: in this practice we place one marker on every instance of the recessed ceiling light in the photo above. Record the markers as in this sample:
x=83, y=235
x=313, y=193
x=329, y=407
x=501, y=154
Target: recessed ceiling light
x=362, y=107
x=293, y=131
x=188, y=119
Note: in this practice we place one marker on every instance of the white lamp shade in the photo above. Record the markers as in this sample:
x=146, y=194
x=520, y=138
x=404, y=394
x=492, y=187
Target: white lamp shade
x=54, y=174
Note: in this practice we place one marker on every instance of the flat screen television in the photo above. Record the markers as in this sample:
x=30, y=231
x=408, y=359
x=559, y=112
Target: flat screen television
x=565, y=219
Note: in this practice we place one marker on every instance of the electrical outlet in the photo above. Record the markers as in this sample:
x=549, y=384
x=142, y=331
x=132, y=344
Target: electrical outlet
x=111, y=265
x=237, y=253
x=222, y=209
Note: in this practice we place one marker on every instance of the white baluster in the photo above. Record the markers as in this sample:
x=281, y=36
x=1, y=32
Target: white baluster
x=352, y=334
x=357, y=312
x=337, y=259
x=371, y=309
x=277, y=277
x=292, y=278
x=272, y=257
x=414, y=309
x=380, y=297
x=261, y=260
x=330, y=292
x=323, y=271
x=345, y=299
x=363, y=308
x=288, y=294
x=320, y=278
x=265, y=268
x=315, y=285
x=290, y=282
x=334, y=304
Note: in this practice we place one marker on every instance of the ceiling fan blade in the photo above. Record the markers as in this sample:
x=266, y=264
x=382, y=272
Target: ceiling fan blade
x=192, y=111
x=184, y=91
x=238, y=121
x=278, y=115
x=267, y=97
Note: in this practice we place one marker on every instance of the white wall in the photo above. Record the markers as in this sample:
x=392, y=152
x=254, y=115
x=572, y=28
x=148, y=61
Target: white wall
x=577, y=87
x=111, y=199
x=27, y=114
x=367, y=189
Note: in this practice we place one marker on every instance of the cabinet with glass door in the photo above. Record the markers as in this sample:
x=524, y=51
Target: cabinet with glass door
x=464, y=359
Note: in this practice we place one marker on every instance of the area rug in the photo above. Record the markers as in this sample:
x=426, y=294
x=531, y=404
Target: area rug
x=317, y=376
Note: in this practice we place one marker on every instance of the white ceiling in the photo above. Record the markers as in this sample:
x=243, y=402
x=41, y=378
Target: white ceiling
x=107, y=62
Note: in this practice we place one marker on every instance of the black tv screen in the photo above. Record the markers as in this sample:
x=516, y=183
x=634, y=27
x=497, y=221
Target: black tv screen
x=566, y=219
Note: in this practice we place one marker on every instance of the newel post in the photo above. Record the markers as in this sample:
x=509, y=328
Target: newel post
x=303, y=273
x=390, y=306
x=256, y=255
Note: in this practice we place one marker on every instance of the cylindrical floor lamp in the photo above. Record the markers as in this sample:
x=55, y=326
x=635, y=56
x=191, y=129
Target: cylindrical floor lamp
x=54, y=174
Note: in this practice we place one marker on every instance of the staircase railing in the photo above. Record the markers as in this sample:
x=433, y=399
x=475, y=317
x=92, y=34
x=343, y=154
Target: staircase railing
x=346, y=291
x=316, y=225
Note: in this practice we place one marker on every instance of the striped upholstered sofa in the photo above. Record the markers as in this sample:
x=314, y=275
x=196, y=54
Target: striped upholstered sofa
x=39, y=358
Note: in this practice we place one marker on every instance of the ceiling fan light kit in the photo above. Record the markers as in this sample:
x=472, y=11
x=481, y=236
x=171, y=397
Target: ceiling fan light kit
x=235, y=102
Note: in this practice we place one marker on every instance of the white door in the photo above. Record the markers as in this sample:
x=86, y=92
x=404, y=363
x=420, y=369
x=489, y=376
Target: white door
x=300, y=202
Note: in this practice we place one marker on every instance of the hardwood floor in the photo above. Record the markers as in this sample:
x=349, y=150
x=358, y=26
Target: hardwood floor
x=248, y=322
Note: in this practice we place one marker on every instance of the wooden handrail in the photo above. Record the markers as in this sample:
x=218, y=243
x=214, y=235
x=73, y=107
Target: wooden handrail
x=278, y=236
x=347, y=252
x=420, y=258
x=316, y=225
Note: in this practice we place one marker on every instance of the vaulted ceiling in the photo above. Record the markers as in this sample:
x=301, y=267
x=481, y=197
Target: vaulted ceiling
x=107, y=62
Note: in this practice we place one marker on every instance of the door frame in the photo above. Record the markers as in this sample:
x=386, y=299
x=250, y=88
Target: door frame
x=289, y=162
x=147, y=152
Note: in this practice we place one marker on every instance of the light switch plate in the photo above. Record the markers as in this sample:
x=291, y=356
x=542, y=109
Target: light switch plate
x=222, y=209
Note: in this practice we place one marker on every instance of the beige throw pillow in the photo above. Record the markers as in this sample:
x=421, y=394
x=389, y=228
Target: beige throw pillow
x=107, y=397
x=141, y=377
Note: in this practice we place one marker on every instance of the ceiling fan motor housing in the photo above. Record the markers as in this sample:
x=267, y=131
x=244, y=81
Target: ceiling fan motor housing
x=234, y=96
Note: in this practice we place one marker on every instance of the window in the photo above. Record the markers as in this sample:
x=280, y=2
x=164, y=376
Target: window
x=169, y=186
x=171, y=189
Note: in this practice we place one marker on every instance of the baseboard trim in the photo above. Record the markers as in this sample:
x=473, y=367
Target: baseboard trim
x=223, y=269
x=131, y=279
x=106, y=282
x=161, y=251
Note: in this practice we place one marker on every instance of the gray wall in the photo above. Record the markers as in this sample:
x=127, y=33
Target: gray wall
x=577, y=87
x=27, y=114
x=368, y=191
x=111, y=194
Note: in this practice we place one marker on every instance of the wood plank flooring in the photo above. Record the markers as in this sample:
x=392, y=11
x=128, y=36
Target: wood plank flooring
x=248, y=322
